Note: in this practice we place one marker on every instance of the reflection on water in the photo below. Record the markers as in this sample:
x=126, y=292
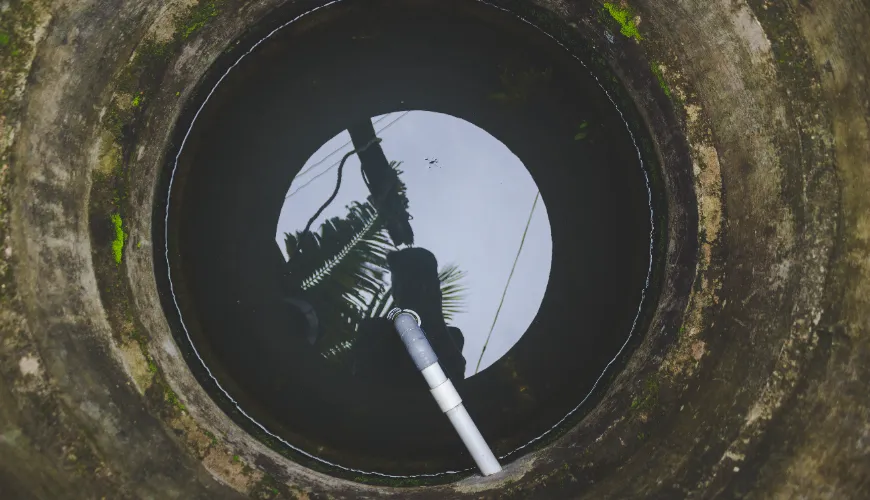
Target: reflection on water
x=475, y=209
x=284, y=326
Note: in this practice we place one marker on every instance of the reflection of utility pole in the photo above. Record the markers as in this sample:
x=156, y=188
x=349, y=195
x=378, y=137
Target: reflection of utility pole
x=383, y=183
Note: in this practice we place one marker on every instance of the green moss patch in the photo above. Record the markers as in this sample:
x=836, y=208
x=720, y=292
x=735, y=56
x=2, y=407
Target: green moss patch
x=120, y=238
x=657, y=71
x=625, y=17
x=195, y=18
x=172, y=398
x=648, y=399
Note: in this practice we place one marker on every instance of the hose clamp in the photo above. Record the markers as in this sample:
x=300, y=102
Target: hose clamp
x=394, y=312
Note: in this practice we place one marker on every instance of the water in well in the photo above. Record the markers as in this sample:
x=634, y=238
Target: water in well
x=452, y=160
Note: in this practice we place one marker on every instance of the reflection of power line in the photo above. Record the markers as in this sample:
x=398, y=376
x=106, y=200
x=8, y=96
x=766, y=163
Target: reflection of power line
x=336, y=163
x=511, y=275
x=394, y=121
x=346, y=144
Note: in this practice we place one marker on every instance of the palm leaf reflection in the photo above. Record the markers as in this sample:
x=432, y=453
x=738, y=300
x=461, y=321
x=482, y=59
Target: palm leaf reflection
x=341, y=270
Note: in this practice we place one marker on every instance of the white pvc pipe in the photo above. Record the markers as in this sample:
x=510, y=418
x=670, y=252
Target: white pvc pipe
x=480, y=452
x=408, y=325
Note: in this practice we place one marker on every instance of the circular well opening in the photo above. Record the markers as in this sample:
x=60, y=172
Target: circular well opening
x=457, y=175
x=529, y=211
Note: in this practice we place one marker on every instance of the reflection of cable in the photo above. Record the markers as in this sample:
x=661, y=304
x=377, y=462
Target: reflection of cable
x=511, y=275
x=374, y=140
x=300, y=174
x=336, y=163
x=394, y=121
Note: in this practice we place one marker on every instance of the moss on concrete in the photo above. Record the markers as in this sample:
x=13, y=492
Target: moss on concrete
x=18, y=21
x=657, y=72
x=172, y=398
x=139, y=79
x=623, y=15
x=120, y=238
x=647, y=399
x=196, y=17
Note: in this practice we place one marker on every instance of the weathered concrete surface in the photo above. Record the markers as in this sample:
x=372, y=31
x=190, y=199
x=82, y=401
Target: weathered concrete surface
x=751, y=381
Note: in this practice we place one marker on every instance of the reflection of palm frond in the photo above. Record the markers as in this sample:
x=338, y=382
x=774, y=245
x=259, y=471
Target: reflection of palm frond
x=355, y=244
x=401, y=188
x=319, y=274
x=380, y=304
x=453, y=292
x=335, y=352
x=339, y=270
x=452, y=295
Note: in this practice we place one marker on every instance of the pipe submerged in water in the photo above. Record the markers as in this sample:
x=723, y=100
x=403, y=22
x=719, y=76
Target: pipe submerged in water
x=407, y=324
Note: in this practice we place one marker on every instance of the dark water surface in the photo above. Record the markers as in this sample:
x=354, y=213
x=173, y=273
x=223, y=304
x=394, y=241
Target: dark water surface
x=451, y=169
x=501, y=157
